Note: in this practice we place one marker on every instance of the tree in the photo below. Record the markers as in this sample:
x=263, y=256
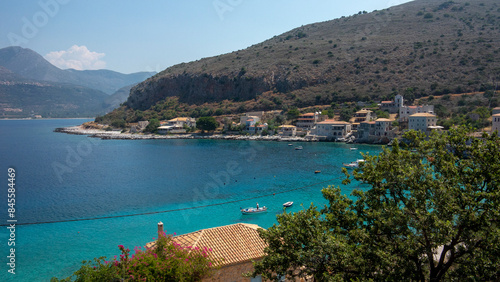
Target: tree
x=346, y=114
x=207, y=123
x=431, y=214
x=152, y=126
x=293, y=113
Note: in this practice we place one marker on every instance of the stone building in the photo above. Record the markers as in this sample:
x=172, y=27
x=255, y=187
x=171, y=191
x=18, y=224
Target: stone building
x=495, y=123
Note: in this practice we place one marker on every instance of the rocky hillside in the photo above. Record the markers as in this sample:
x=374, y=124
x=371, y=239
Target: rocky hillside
x=420, y=48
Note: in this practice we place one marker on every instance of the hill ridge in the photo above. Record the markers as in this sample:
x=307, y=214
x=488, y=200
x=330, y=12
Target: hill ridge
x=417, y=49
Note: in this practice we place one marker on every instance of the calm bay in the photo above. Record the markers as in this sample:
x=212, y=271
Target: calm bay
x=61, y=178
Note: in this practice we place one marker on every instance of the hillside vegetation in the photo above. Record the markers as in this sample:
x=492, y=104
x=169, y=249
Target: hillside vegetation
x=417, y=49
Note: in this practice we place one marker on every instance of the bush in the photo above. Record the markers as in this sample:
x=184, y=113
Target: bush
x=119, y=123
x=152, y=126
x=166, y=261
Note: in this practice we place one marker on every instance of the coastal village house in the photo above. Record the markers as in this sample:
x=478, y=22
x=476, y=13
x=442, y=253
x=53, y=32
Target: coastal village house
x=141, y=125
x=309, y=120
x=365, y=130
x=287, y=130
x=424, y=122
x=392, y=106
x=257, y=128
x=362, y=115
x=235, y=246
x=496, y=110
x=177, y=125
x=332, y=129
x=495, y=123
x=383, y=127
x=256, y=116
x=404, y=112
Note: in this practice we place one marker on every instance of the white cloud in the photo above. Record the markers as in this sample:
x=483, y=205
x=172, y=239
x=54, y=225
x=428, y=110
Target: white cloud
x=76, y=57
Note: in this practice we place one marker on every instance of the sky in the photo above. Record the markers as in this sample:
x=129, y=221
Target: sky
x=150, y=35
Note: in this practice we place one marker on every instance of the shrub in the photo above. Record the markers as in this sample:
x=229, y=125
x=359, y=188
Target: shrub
x=166, y=261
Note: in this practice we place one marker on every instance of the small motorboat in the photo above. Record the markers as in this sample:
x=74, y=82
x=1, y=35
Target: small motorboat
x=354, y=164
x=353, y=149
x=288, y=204
x=290, y=144
x=299, y=148
x=317, y=171
x=254, y=210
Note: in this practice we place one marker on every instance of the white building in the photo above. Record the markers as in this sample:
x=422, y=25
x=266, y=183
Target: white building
x=424, y=122
x=406, y=111
x=177, y=125
x=383, y=127
x=332, y=129
x=181, y=121
x=495, y=123
x=249, y=120
x=307, y=121
x=362, y=115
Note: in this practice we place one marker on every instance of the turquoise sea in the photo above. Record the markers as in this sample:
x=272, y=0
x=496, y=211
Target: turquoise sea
x=60, y=178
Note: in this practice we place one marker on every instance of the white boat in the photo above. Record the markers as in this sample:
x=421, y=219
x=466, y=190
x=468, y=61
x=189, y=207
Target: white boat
x=354, y=164
x=353, y=149
x=290, y=144
x=288, y=204
x=299, y=148
x=254, y=210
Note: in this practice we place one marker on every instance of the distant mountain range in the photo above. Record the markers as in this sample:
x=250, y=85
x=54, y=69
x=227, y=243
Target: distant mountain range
x=421, y=48
x=30, y=85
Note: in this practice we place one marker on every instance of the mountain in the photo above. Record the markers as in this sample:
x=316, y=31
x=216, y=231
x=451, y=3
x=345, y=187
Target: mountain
x=420, y=48
x=21, y=97
x=32, y=65
x=121, y=95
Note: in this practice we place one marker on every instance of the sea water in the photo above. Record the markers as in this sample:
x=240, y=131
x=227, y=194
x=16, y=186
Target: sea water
x=62, y=181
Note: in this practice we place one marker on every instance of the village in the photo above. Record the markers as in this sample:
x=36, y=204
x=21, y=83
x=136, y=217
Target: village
x=363, y=127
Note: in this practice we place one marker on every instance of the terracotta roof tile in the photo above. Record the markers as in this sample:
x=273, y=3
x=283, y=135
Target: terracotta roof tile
x=234, y=243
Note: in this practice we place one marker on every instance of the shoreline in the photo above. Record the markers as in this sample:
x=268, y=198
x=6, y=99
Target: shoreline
x=117, y=135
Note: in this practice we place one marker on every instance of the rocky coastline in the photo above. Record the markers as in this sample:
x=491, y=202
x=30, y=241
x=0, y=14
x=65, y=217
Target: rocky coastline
x=118, y=135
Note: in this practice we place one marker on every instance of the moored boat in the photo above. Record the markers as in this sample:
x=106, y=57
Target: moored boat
x=288, y=204
x=254, y=210
x=299, y=148
x=354, y=164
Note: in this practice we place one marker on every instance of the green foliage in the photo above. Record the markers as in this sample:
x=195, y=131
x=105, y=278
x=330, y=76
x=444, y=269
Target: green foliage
x=431, y=214
x=293, y=113
x=382, y=114
x=330, y=113
x=152, y=126
x=166, y=261
x=346, y=114
x=428, y=16
x=119, y=123
x=207, y=123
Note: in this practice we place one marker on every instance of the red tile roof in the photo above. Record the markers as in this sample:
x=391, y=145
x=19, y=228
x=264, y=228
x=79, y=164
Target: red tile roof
x=233, y=244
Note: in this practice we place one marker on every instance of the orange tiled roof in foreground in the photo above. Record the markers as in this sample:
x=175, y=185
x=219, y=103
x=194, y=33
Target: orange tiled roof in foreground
x=234, y=243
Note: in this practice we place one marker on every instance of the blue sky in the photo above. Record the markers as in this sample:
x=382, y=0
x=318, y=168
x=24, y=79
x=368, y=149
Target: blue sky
x=130, y=36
